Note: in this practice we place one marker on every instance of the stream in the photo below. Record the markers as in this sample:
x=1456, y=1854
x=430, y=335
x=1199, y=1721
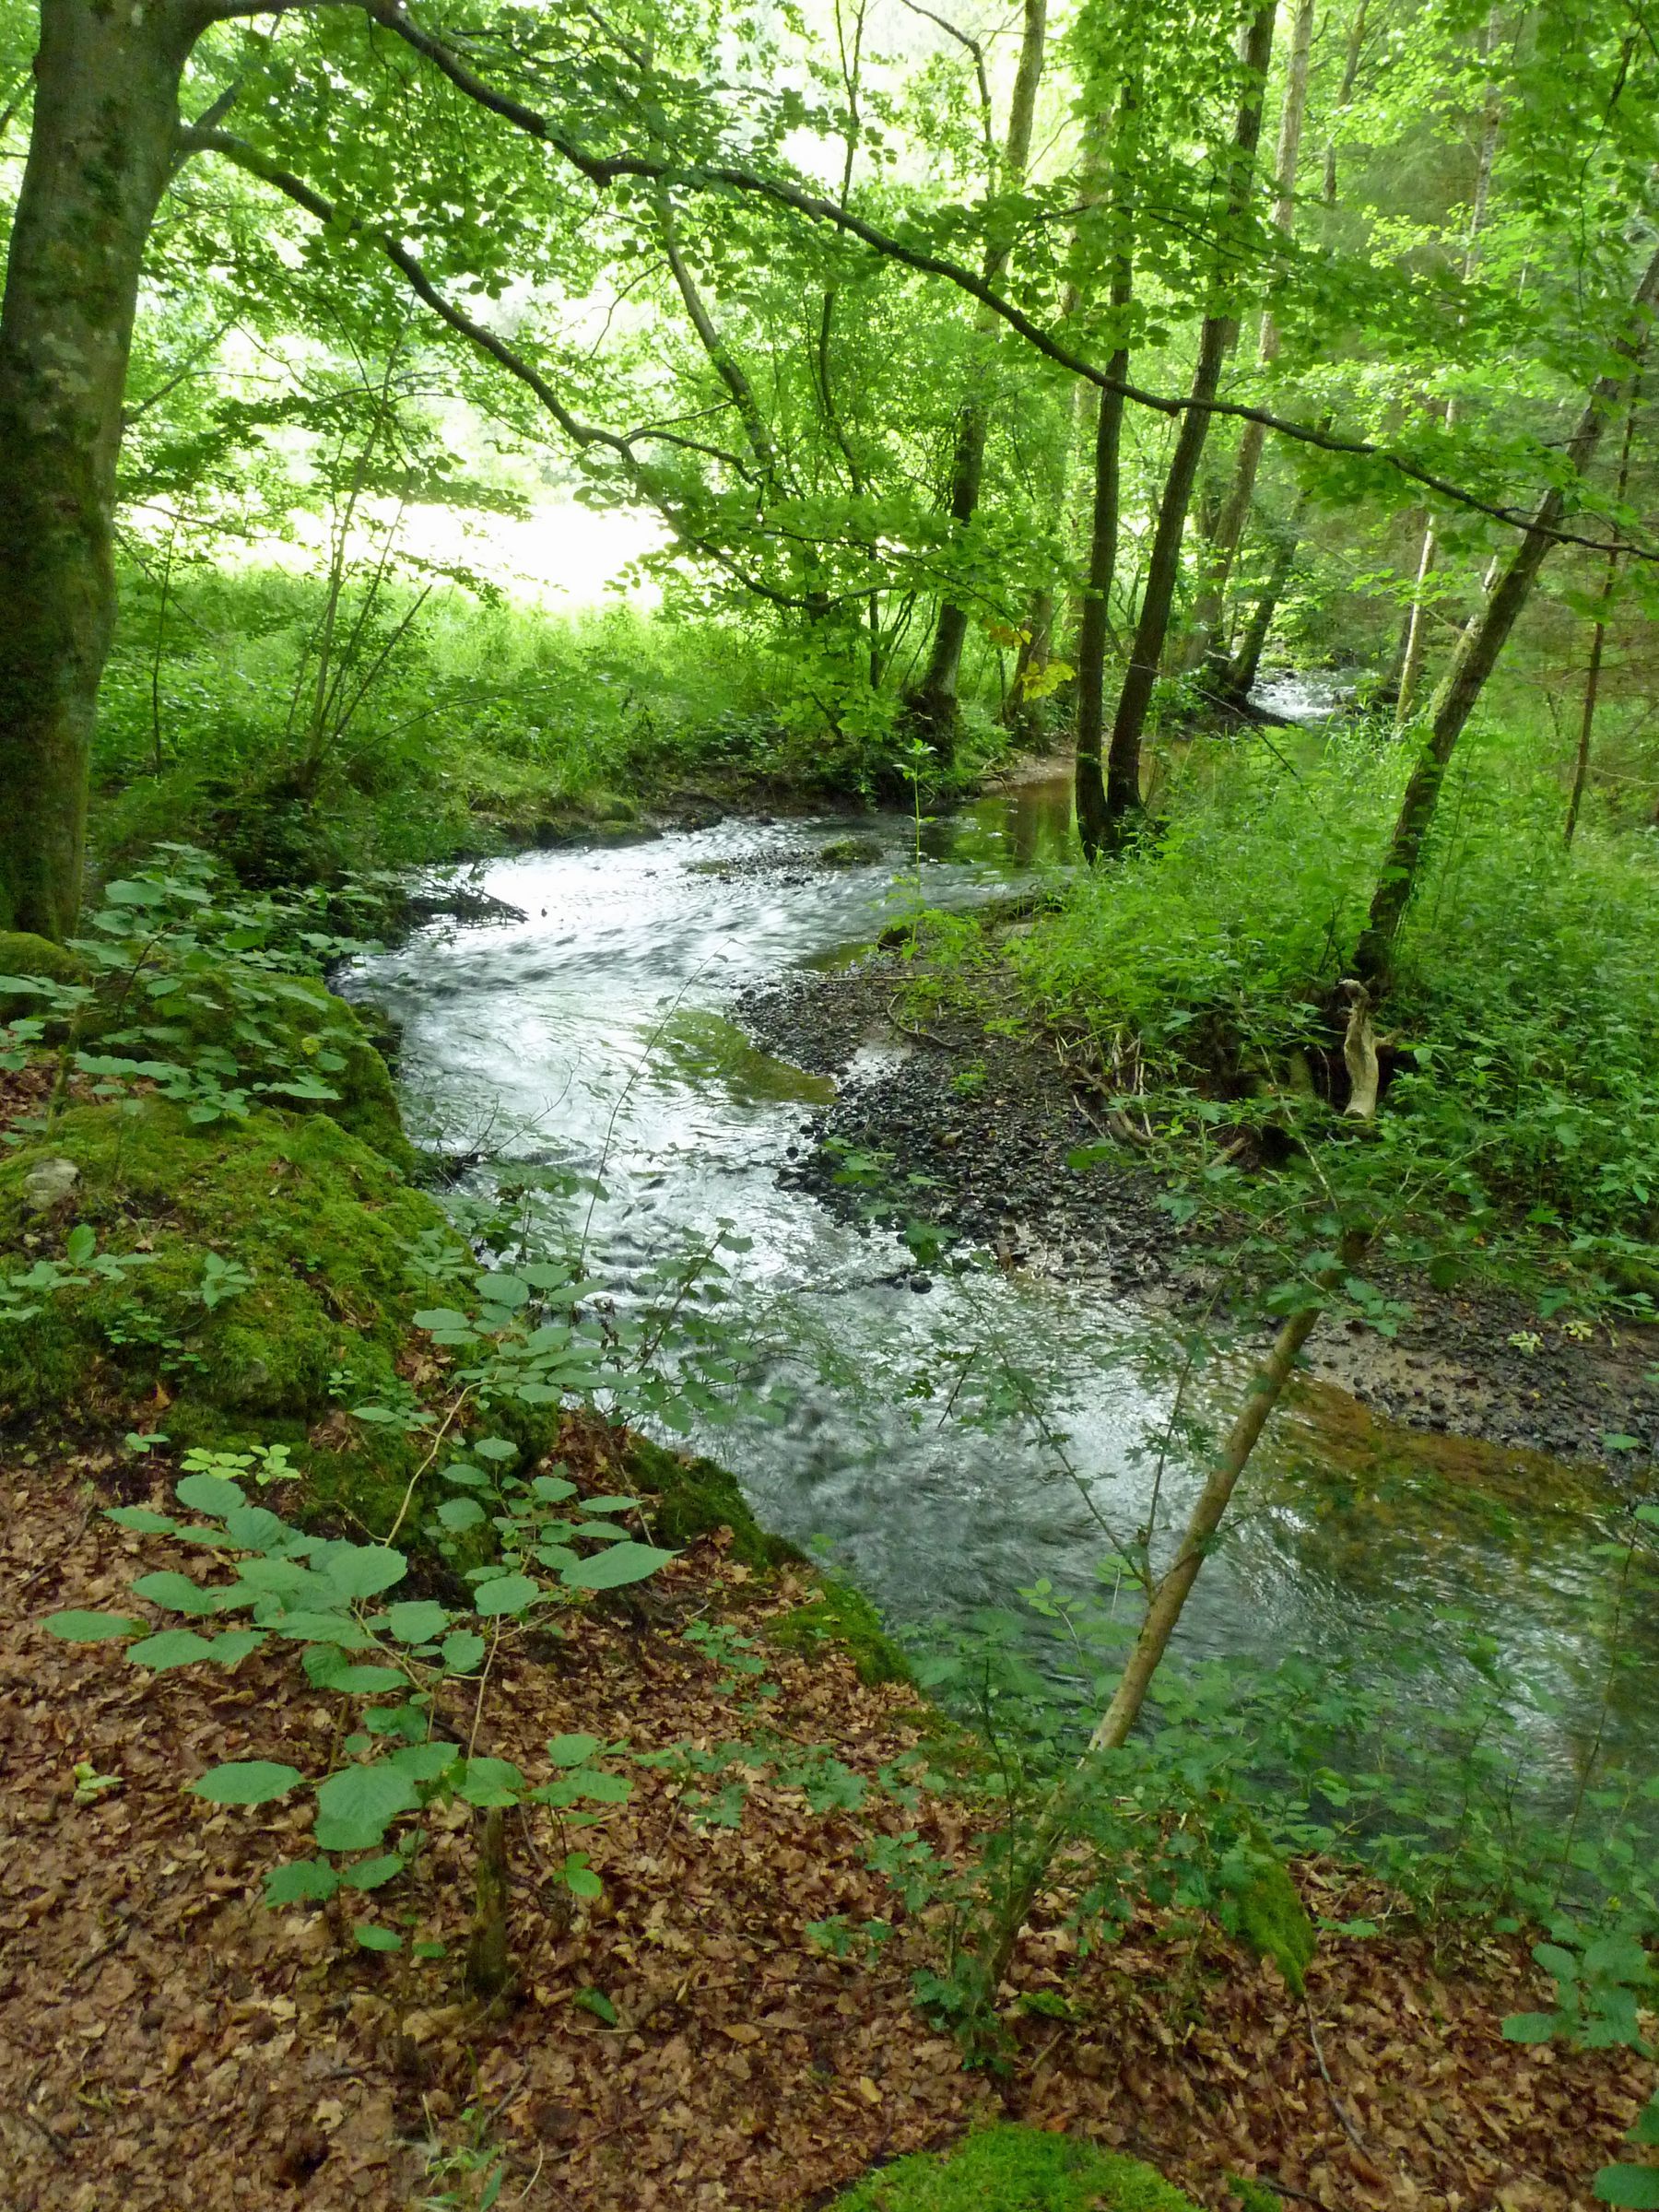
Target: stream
x=591, y=1039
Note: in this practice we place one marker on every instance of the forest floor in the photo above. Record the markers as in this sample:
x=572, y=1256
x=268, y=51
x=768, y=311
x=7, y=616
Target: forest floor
x=164, y=2039
x=988, y=1118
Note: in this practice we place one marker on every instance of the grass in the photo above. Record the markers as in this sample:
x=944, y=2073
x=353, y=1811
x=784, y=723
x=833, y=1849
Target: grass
x=1521, y=1119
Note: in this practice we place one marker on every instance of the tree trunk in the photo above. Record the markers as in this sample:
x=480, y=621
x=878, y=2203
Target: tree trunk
x=1476, y=655
x=1417, y=631
x=105, y=116
x=934, y=702
x=1163, y=567
x=1093, y=816
x=1235, y=507
x=1598, y=634
x=1246, y=665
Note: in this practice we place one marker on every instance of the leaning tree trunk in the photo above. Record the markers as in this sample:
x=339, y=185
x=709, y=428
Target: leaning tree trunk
x=933, y=702
x=1477, y=652
x=1164, y=567
x=105, y=115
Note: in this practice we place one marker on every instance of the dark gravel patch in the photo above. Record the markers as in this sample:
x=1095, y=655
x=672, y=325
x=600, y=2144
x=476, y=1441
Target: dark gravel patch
x=989, y=1121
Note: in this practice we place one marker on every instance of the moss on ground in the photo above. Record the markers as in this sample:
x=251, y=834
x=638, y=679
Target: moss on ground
x=695, y=1497
x=1012, y=2168
x=323, y=1228
x=843, y=1615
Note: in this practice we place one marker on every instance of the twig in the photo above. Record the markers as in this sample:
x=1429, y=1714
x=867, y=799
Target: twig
x=1349, y=2129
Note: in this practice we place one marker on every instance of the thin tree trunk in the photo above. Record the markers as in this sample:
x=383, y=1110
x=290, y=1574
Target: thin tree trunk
x=1167, y=1602
x=1240, y=678
x=1235, y=506
x=105, y=117
x=1476, y=655
x=1598, y=634
x=1416, y=633
x=1093, y=629
x=1163, y=567
x=934, y=702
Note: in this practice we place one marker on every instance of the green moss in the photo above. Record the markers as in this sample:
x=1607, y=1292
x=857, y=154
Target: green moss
x=1273, y=1921
x=695, y=1497
x=281, y=1026
x=843, y=1616
x=21, y=953
x=1255, y=2197
x=323, y=1227
x=1011, y=2168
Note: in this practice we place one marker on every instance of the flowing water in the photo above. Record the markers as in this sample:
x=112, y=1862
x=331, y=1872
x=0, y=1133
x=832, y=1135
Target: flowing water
x=591, y=1038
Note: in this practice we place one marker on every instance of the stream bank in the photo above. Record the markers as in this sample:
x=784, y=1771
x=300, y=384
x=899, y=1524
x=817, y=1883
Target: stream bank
x=987, y=1121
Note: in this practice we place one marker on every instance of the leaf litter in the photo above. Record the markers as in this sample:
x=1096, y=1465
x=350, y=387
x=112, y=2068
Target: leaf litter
x=679, y=2041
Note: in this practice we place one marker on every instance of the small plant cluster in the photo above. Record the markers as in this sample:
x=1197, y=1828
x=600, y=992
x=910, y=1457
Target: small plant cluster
x=193, y=990
x=404, y=1670
x=1602, y=1987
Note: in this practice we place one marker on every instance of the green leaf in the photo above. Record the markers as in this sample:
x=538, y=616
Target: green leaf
x=359, y=1571
x=608, y=1505
x=247, y=1782
x=1636, y=2187
x=508, y=1593
x=369, y=1874
x=175, y=1593
x=498, y=1448
x=417, y=1620
x=462, y=1651
x=627, y=1563
x=443, y=1320
x=173, y=1647
x=327, y=1666
x=458, y=1514
x=599, y=2005
x=230, y=1650
x=1559, y=1964
x=1616, y=1959
x=1646, y=2129
x=552, y=1490
x=374, y=1939
x=80, y=1244
x=423, y=1762
x=357, y=1806
x=308, y=1627
x=210, y=1494
x=431, y=1950
x=90, y=1627
x=490, y=1781
x=579, y=1878
x=1529, y=2027
x=572, y=1750
x=300, y=1881
x=256, y=1527
x=141, y=1521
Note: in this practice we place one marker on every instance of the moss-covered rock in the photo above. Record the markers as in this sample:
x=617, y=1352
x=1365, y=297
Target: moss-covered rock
x=696, y=1496
x=1268, y=1912
x=839, y=1614
x=275, y=1029
x=22, y=954
x=1012, y=2168
x=318, y=1233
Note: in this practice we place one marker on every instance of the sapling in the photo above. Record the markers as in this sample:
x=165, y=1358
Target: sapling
x=392, y=1660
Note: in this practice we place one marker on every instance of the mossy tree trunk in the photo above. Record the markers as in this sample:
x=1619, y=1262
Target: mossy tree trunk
x=1477, y=652
x=105, y=119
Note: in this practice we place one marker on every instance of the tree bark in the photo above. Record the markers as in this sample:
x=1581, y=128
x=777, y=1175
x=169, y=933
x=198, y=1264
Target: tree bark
x=1164, y=567
x=1598, y=633
x=1416, y=630
x=934, y=702
x=105, y=115
x=1477, y=652
x=1094, y=624
x=1235, y=506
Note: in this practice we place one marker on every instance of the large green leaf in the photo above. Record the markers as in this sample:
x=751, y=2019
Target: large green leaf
x=357, y=1806
x=1635, y=2187
x=210, y=1494
x=507, y=1594
x=300, y=1881
x=77, y=1627
x=359, y=1570
x=247, y=1782
x=490, y=1781
x=418, y=1621
x=176, y=1592
x=627, y=1563
x=173, y=1647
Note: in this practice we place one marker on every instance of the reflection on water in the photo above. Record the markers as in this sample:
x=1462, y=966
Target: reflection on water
x=592, y=1038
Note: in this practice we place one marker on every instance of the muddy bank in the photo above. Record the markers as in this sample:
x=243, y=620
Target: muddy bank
x=974, y=1129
